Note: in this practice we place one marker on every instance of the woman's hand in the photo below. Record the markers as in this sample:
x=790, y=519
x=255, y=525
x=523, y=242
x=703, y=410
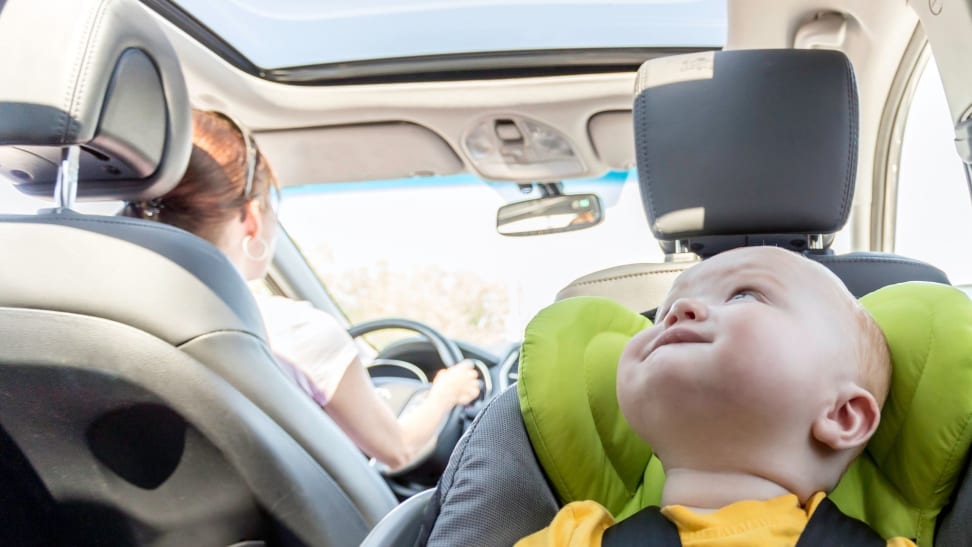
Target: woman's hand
x=369, y=421
x=456, y=385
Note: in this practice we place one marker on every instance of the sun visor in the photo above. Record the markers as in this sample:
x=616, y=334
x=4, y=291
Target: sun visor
x=357, y=153
x=613, y=139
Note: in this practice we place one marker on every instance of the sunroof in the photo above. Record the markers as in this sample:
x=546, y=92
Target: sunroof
x=295, y=33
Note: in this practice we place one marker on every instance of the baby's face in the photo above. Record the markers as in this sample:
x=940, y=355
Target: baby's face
x=748, y=344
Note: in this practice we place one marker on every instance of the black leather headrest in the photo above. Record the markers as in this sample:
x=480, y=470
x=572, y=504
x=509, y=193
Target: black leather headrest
x=746, y=147
x=95, y=73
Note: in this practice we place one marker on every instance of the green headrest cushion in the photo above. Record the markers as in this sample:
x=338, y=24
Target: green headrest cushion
x=898, y=485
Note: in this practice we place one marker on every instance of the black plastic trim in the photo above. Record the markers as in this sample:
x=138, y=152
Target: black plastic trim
x=183, y=20
x=475, y=66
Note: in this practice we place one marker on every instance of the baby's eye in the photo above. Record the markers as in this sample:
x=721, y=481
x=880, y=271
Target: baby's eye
x=742, y=294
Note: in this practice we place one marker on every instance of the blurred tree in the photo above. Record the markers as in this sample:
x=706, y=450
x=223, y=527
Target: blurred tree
x=461, y=305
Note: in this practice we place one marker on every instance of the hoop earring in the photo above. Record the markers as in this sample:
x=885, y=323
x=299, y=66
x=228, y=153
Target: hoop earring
x=248, y=252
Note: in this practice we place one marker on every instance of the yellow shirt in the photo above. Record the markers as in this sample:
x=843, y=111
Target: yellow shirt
x=775, y=522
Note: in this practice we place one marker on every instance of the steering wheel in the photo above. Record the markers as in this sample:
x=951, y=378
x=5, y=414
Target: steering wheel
x=432, y=458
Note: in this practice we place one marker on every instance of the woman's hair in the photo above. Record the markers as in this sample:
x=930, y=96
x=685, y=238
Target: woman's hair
x=213, y=189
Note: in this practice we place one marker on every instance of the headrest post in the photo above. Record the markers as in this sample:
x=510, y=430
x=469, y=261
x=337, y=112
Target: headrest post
x=682, y=246
x=66, y=188
x=688, y=256
x=815, y=242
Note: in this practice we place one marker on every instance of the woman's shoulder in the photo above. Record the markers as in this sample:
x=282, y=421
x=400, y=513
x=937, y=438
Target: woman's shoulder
x=278, y=310
x=274, y=302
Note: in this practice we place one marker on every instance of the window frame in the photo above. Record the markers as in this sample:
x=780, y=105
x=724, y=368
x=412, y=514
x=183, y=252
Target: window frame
x=884, y=198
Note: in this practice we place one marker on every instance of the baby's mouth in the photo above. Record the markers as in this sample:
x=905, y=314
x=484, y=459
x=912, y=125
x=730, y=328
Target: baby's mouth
x=677, y=335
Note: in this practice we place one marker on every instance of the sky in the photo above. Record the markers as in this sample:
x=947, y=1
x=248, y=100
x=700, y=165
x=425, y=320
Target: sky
x=274, y=33
x=934, y=221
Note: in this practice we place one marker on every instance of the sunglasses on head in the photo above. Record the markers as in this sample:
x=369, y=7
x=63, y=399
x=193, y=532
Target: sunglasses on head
x=273, y=199
x=250, y=152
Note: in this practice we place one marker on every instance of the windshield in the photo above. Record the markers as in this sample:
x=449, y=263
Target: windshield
x=427, y=249
x=293, y=33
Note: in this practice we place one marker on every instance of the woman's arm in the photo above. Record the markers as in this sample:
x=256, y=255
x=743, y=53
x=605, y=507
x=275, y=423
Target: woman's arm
x=326, y=355
x=369, y=422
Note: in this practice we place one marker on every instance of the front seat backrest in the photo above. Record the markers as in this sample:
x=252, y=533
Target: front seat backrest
x=134, y=369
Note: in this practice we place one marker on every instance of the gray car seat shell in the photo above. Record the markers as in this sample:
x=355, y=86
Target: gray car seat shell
x=159, y=450
x=493, y=491
x=103, y=315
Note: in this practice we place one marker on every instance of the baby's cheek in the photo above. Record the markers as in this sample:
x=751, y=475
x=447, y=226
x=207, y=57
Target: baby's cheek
x=763, y=390
x=631, y=398
x=637, y=348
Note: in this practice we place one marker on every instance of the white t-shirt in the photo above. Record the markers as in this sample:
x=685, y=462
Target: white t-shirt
x=311, y=341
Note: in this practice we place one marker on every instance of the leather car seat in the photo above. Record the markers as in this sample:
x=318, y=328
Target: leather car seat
x=140, y=402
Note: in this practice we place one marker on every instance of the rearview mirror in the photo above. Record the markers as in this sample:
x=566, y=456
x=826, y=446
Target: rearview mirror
x=549, y=215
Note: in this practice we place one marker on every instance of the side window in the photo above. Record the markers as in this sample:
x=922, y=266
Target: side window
x=934, y=208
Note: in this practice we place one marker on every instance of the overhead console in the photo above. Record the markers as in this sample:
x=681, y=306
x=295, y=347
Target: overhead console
x=515, y=147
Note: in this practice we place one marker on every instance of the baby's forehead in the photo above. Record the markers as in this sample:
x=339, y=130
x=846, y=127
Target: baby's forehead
x=741, y=262
x=778, y=267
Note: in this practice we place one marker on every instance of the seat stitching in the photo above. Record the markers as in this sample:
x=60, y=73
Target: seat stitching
x=625, y=276
x=84, y=60
x=852, y=144
x=884, y=259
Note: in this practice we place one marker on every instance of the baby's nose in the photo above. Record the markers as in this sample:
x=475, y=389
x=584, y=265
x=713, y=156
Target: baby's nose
x=685, y=309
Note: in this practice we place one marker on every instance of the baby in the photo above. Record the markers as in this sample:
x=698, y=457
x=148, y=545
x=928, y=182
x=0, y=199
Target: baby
x=760, y=381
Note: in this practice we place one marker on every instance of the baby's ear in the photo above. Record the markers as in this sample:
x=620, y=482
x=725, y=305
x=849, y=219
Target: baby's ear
x=850, y=423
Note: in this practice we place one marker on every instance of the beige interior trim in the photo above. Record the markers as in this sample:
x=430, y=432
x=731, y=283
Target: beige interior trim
x=349, y=152
x=641, y=287
x=887, y=159
x=947, y=24
x=612, y=136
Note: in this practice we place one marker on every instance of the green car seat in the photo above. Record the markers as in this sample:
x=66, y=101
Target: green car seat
x=899, y=485
x=558, y=435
